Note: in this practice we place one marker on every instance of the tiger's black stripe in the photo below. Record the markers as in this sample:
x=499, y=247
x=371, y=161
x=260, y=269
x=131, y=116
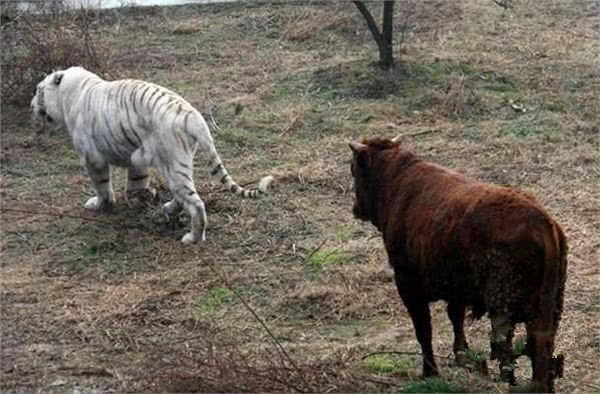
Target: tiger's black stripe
x=87, y=80
x=186, y=129
x=132, y=98
x=183, y=174
x=156, y=90
x=182, y=142
x=156, y=101
x=110, y=131
x=131, y=125
x=216, y=170
x=127, y=137
x=166, y=108
x=144, y=93
x=138, y=178
x=183, y=164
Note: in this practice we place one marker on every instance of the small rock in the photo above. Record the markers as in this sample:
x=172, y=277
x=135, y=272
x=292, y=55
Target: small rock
x=58, y=382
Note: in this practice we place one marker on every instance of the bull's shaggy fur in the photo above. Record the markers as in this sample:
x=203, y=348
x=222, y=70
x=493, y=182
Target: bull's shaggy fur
x=472, y=244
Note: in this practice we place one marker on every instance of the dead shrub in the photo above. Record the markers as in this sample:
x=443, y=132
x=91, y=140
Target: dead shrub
x=304, y=23
x=459, y=99
x=50, y=36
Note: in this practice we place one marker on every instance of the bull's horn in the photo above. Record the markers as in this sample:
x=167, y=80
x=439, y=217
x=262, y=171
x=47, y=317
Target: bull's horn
x=356, y=146
x=397, y=138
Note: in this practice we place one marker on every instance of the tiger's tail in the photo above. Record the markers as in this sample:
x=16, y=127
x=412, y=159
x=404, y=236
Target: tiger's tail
x=218, y=170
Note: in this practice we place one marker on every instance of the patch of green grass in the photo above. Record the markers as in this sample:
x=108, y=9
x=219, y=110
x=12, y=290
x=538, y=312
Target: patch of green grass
x=320, y=259
x=359, y=117
x=519, y=347
x=343, y=234
x=440, y=70
x=237, y=140
x=217, y=296
x=474, y=356
x=286, y=90
x=90, y=249
x=432, y=385
x=500, y=84
x=388, y=365
x=108, y=254
x=473, y=133
x=528, y=125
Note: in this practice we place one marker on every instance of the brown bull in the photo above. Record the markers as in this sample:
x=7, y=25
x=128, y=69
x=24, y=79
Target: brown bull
x=472, y=244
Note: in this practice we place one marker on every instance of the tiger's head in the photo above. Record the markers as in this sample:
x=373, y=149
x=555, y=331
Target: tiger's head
x=46, y=105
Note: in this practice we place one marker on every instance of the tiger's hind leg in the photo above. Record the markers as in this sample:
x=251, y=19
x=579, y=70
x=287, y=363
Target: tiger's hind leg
x=184, y=192
x=138, y=180
x=101, y=179
x=172, y=208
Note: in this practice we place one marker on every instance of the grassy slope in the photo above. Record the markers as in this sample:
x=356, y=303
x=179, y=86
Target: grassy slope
x=114, y=302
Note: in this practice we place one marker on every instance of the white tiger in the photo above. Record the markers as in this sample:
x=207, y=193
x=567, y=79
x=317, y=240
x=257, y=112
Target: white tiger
x=134, y=124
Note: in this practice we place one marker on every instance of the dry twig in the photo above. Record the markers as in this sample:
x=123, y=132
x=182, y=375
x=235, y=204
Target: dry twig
x=281, y=349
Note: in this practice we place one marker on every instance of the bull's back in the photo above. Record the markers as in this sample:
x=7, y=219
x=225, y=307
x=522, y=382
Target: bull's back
x=461, y=234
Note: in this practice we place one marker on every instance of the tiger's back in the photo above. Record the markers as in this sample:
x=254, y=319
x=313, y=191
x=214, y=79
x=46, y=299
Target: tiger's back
x=128, y=115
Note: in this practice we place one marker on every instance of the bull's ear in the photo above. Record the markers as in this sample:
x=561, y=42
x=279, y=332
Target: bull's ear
x=57, y=78
x=357, y=147
x=361, y=152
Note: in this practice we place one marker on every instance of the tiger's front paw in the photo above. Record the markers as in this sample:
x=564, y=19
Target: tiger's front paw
x=190, y=238
x=97, y=204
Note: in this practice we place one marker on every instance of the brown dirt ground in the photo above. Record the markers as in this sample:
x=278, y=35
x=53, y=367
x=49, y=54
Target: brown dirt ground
x=113, y=302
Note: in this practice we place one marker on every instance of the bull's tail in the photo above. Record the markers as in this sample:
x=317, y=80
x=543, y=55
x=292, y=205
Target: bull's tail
x=218, y=170
x=545, y=367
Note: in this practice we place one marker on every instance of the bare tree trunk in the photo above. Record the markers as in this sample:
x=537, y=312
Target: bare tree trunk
x=383, y=39
x=387, y=57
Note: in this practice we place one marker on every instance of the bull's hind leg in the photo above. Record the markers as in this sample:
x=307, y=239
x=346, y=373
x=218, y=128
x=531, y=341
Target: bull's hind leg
x=501, y=344
x=540, y=347
x=456, y=313
x=101, y=179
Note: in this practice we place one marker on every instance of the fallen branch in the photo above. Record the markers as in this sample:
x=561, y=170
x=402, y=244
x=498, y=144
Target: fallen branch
x=315, y=250
x=404, y=354
x=422, y=132
x=57, y=214
x=262, y=323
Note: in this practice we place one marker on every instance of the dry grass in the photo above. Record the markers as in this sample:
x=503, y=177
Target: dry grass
x=54, y=38
x=114, y=302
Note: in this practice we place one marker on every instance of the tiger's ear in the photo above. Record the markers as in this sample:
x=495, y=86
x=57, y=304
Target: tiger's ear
x=57, y=78
x=361, y=153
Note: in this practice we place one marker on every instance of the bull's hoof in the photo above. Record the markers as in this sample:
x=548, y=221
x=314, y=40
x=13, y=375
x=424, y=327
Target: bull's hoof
x=482, y=368
x=533, y=387
x=429, y=373
x=558, y=364
x=461, y=359
x=507, y=374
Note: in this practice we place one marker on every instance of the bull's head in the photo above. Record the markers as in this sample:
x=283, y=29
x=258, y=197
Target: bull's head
x=359, y=167
x=366, y=163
